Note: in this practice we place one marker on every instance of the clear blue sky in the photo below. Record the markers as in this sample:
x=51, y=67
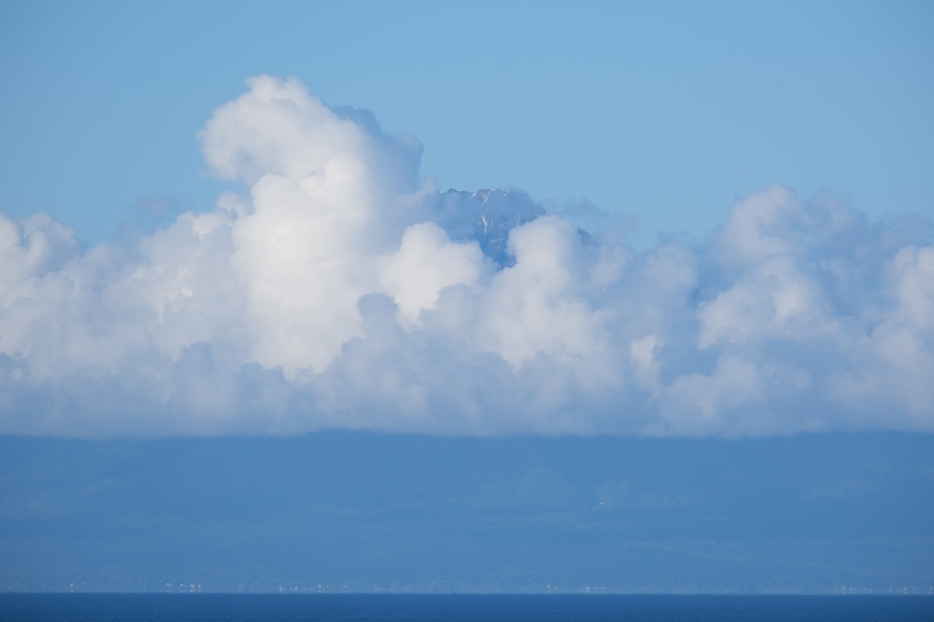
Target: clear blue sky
x=665, y=110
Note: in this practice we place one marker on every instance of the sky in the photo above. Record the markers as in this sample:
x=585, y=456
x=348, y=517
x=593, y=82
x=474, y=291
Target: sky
x=667, y=111
x=606, y=229
x=667, y=220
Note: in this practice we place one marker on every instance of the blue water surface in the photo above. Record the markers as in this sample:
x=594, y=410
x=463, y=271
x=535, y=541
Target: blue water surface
x=455, y=608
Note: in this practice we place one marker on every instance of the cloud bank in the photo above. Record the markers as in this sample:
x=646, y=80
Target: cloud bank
x=345, y=291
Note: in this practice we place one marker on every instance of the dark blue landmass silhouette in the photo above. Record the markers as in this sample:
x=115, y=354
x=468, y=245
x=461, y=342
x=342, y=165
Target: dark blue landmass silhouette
x=350, y=511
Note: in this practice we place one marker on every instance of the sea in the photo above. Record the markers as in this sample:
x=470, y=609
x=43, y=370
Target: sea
x=457, y=608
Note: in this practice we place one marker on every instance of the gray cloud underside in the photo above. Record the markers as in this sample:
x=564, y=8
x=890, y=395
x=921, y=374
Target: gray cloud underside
x=344, y=291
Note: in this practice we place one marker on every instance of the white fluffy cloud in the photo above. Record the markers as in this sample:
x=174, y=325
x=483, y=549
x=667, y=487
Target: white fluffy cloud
x=343, y=291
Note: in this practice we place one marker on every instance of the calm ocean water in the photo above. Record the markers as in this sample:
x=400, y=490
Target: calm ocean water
x=473, y=608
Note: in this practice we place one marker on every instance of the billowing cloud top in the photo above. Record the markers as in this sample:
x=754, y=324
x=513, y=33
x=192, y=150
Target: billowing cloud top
x=345, y=292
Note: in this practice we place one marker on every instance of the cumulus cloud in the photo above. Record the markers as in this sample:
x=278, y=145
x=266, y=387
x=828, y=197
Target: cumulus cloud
x=343, y=290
